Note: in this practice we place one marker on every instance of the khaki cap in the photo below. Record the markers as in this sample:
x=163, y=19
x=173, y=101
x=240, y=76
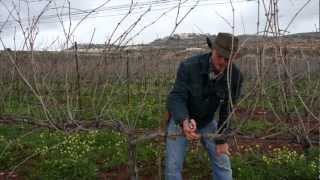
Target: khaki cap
x=223, y=44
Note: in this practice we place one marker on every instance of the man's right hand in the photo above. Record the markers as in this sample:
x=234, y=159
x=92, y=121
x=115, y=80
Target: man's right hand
x=189, y=129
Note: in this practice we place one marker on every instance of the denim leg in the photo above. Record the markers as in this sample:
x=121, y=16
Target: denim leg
x=175, y=152
x=221, y=165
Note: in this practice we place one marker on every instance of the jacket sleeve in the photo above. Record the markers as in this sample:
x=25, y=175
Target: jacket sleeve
x=225, y=107
x=178, y=97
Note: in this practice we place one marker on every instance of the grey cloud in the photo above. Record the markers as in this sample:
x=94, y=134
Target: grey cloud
x=198, y=21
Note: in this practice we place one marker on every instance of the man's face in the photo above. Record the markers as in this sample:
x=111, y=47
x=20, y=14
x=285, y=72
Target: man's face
x=219, y=62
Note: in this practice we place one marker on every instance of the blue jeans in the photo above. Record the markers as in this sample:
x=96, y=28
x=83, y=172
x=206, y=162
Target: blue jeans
x=176, y=148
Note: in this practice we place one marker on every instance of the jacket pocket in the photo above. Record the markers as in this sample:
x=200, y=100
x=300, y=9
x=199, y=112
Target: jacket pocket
x=196, y=90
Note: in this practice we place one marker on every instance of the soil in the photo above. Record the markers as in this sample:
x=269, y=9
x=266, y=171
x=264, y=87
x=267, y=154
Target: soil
x=8, y=176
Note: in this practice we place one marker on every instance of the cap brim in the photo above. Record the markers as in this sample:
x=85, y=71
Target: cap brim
x=209, y=42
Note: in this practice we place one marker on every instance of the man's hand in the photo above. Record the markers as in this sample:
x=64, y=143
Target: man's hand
x=222, y=149
x=189, y=129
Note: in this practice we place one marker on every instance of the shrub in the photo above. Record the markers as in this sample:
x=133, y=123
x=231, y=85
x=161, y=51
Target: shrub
x=281, y=163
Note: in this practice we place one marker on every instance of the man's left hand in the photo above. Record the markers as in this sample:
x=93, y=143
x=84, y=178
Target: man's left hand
x=222, y=149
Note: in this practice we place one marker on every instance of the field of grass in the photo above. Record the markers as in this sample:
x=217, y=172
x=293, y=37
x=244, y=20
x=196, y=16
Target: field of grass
x=34, y=153
x=38, y=152
x=135, y=96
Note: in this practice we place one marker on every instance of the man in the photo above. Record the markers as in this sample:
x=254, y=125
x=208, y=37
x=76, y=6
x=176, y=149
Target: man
x=201, y=88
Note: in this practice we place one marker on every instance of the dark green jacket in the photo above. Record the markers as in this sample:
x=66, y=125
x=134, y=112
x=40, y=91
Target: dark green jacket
x=195, y=96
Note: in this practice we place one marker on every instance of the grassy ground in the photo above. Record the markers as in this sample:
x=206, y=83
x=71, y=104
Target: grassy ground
x=35, y=153
x=39, y=153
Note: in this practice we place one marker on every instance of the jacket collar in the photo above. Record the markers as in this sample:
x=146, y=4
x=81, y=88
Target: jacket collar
x=204, y=63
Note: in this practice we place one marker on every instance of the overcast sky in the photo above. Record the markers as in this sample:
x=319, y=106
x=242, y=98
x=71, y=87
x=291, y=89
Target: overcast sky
x=157, y=19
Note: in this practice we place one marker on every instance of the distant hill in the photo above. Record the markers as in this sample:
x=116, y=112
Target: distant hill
x=197, y=42
x=192, y=40
x=306, y=35
x=182, y=41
